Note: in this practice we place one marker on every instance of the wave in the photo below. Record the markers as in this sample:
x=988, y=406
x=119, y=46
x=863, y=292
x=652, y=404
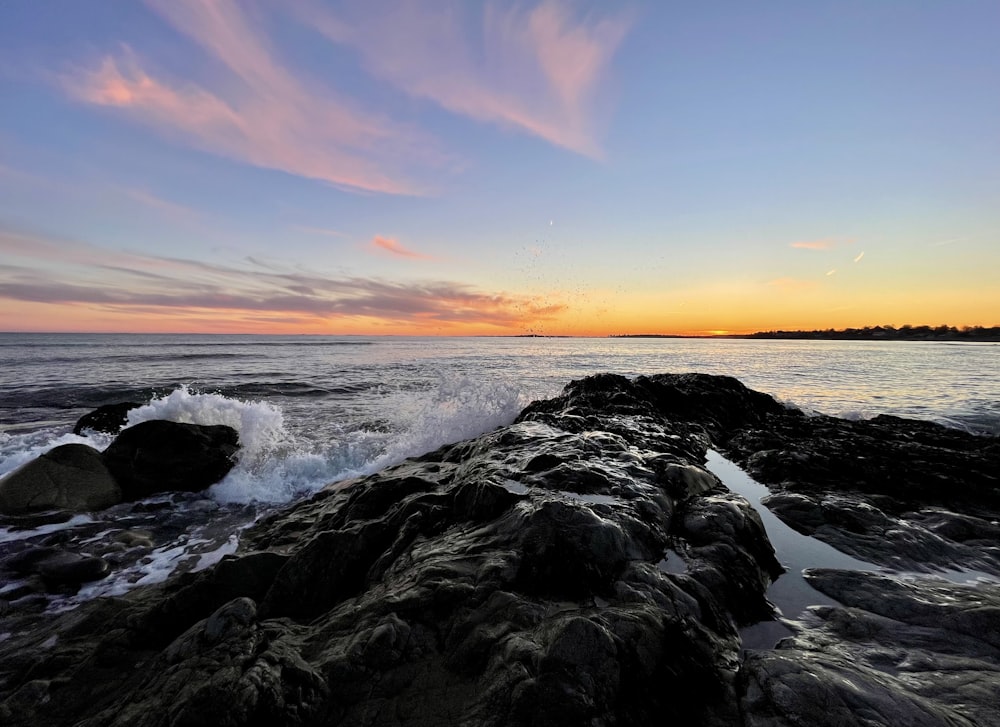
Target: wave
x=278, y=463
x=276, y=466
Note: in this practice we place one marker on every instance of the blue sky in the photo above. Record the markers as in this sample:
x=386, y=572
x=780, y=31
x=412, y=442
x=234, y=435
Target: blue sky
x=488, y=167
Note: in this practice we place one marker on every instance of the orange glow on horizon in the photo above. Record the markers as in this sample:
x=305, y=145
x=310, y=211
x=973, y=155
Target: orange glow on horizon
x=56, y=318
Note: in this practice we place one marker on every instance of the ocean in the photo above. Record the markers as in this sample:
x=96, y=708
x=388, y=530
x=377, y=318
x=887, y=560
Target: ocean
x=312, y=410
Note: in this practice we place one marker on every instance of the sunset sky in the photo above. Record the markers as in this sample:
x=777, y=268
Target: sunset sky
x=478, y=167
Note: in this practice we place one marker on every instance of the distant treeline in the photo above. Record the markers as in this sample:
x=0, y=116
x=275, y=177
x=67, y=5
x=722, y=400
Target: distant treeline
x=890, y=333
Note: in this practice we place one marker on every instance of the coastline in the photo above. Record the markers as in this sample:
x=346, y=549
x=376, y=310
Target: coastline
x=423, y=577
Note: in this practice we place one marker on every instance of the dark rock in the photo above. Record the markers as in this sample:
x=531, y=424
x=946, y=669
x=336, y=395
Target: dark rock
x=67, y=568
x=68, y=477
x=519, y=579
x=25, y=561
x=228, y=669
x=915, y=652
x=159, y=456
x=37, y=519
x=57, y=566
x=483, y=501
x=109, y=418
x=900, y=493
x=570, y=552
x=478, y=585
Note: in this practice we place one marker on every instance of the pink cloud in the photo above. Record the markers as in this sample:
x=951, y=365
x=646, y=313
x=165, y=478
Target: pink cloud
x=538, y=70
x=270, y=118
x=45, y=270
x=828, y=243
x=815, y=245
x=392, y=246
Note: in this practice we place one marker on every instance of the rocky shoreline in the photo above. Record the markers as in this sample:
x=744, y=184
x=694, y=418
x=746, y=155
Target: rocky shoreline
x=577, y=567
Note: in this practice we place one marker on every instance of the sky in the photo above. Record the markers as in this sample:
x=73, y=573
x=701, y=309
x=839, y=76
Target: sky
x=478, y=167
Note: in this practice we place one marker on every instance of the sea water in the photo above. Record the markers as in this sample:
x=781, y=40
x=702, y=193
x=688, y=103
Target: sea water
x=312, y=410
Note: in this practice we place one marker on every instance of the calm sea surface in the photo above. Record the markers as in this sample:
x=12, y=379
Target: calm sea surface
x=311, y=409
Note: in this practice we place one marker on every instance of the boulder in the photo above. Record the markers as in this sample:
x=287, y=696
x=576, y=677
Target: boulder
x=162, y=456
x=109, y=418
x=67, y=568
x=69, y=477
x=56, y=566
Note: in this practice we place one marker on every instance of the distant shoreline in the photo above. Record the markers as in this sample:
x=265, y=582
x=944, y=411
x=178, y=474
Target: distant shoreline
x=876, y=333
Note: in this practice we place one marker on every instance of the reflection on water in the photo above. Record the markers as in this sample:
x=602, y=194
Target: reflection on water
x=791, y=594
x=795, y=551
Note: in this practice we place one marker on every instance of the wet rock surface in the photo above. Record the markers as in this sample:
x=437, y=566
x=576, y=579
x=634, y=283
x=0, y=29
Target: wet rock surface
x=163, y=456
x=529, y=577
x=905, y=494
x=123, y=544
x=913, y=652
x=146, y=459
x=70, y=477
x=109, y=418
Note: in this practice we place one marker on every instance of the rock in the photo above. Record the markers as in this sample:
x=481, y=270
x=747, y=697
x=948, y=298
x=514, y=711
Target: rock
x=68, y=477
x=56, y=566
x=160, y=456
x=109, y=418
x=900, y=493
x=228, y=669
x=478, y=585
x=135, y=538
x=67, y=568
x=915, y=652
x=37, y=519
x=524, y=578
x=569, y=551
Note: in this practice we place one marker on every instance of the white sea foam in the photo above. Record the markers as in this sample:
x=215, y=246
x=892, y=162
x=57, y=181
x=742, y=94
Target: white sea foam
x=10, y=535
x=261, y=426
x=16, y=450
x=460, y=408
x=419, y=421
x=276, y=466
x=272, y=466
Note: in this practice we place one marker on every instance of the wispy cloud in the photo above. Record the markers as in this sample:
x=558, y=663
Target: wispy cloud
x=831, y=272
x=951, y=241
x=262, y=113
x=389, y=245
x=45, y=270
x=539, y=70
x=860, y=255
x=815, y=244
